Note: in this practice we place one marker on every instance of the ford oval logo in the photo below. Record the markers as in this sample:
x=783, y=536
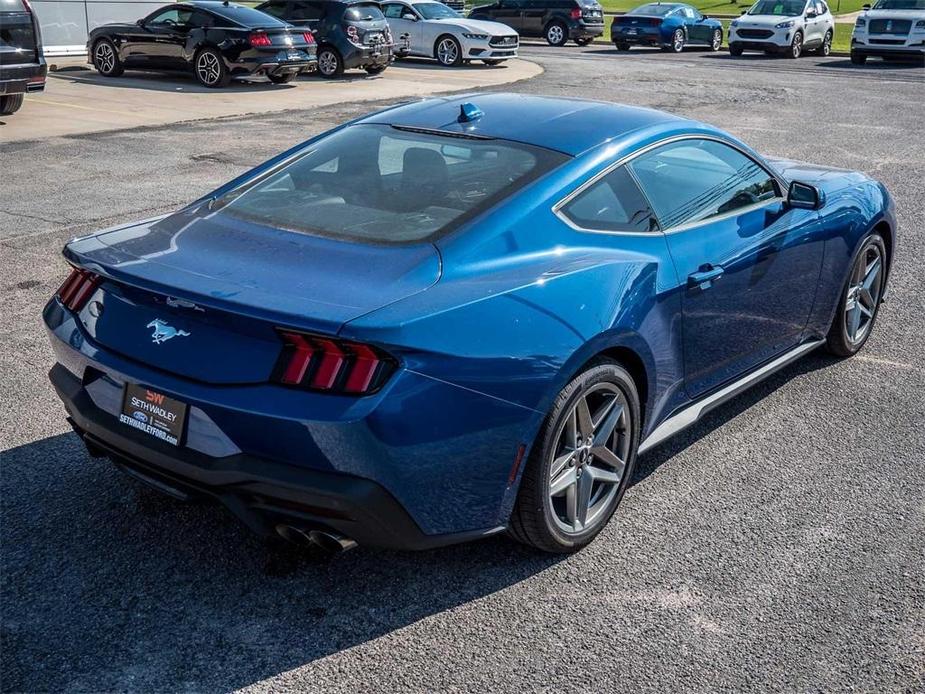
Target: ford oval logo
x=140, y=416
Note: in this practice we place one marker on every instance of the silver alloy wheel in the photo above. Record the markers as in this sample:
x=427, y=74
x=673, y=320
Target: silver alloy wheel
x=447, y=51
x=863, y=294
x=678, y=42
x=555, y=34
x=105, y=57
x=327, y=62
x=589, y=458
x=796, y=47
x=208, y=68
x=717, y=42
x=827, y=43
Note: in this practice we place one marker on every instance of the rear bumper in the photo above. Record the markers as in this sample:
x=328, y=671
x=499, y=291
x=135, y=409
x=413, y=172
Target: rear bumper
x=419, y=464
x=580, y=30
x=259, y=63
x=368, y=57
x=18, y=79
x=262, y=493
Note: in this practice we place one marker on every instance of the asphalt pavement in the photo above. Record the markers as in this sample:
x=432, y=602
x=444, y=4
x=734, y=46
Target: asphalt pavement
x=779, y=545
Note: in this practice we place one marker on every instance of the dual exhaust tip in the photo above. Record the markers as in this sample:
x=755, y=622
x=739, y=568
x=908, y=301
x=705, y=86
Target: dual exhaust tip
x=327, y=540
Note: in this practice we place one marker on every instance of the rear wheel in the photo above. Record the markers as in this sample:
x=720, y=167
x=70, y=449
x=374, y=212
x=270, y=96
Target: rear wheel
x=716, y=41
x=10, y=104
x=106, y=59
x=283, y=78
x=826, y=46
x=623, y=46
x=860, y=300
x=581, y=463
x=330, y=64
x=556, y=34
x=796, y=46
x=211, y=70
x=448, y=52
x=858, y=58
x=677, y=41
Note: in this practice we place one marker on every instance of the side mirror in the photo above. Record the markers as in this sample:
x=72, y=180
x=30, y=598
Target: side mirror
x=743, y=12
x=410, y=17
x=804, y=196
x=140, y=22
x=811, y=15
x=865, y=7
x=704, y=18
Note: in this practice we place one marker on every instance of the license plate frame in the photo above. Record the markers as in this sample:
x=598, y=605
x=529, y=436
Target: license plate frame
x=154, y=414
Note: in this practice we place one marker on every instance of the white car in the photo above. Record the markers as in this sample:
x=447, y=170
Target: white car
x=433, y=30
x=892, y=28
x=783, y=26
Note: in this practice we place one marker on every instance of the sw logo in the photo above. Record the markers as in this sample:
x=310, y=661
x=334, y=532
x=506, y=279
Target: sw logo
x=156, y=398
x=163, y=332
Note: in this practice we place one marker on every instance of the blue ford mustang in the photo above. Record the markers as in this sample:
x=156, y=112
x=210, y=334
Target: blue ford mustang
x=458, y=316
x=671, y=26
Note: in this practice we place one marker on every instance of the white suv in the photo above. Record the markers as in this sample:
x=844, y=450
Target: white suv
x=784, y=26
x=891, y=28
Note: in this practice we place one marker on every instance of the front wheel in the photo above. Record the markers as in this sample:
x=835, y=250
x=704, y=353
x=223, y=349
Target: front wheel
x=330, y=64
x=623, y=46
x=716, y=41
x=826, y=46
x=556, y=34
x=448, y=52
x=10, y=104
x=860, y=300
x=106, y=59
x=211, y=70
x=796, y=46
x=858, y=58
x=581, y=462
x=735, y=50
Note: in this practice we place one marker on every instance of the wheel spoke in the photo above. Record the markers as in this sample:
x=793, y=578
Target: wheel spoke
x=563, y=482
x=601, y=475
x=583, y=502
x=585, y=425
x=604, y=430
x=871, y=273
x=559, y=463
x=854, y=322
x=610, y=459
x=866, y=300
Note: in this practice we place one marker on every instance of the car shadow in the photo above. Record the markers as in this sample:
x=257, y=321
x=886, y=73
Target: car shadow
x=109, y=585
x=876, y=64
x=166, y=82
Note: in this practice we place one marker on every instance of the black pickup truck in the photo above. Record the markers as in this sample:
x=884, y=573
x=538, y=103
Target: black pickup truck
x=22, y=64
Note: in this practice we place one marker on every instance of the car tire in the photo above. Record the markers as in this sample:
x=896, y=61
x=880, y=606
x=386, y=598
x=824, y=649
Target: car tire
x=10, y=104
x=735, y=50
x=796, y=46
x=622, y=46
x=492, y=61
x=542, y=516
x=330, y=63
x=284, y=78
x=556, y=34
x=677, y=41
x=106, y=59
x=858, y=58
x=860, y=300
x=447, y=51
x=210, y=69
x=826, y=46
x=716, y=41
x=583, y=42
x=375, y=69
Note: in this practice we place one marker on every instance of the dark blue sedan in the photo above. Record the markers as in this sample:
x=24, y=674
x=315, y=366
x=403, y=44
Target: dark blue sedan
x=670, y=26
x=459, y=316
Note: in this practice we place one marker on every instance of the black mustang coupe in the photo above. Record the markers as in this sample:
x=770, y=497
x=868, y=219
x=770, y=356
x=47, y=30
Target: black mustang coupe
x=216, y=40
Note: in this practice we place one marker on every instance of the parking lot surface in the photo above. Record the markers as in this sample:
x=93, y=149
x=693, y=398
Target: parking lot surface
x=777, y=545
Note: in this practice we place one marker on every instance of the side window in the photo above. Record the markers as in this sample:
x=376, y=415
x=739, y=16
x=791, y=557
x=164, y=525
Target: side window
x=202, y=20
x=275, y=9
x=613, y=203
x=170, y=17
x=693, y=180
x=392, y=11
x=688, y=13
x=821, y=8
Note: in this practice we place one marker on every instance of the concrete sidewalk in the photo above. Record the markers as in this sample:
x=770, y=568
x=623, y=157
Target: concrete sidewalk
x=77, y=100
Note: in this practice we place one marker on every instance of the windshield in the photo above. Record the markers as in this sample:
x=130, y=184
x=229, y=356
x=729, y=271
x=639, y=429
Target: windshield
x=900, y=5
x=779, y=8
x=363, y=13
x=435, y=10
x=654, y=9
x=382, y=184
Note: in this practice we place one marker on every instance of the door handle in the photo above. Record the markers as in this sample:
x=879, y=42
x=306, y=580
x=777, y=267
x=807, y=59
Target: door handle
x=705, y=276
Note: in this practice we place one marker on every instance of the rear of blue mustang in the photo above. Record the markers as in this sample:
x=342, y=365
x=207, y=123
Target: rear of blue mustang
x=202, y=352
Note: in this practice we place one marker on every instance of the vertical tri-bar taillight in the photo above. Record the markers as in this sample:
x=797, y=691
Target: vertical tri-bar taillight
x=333, y=366
x=78, y=288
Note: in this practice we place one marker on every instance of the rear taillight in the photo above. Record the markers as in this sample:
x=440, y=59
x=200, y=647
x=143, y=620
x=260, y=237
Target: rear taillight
x=77, y=289
x=259, y=40
x=309, y=37
x=335, y=366
x=575, y=13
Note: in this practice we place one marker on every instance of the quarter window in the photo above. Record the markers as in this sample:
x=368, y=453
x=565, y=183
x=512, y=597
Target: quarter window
x=613, y=203
x=693, y=180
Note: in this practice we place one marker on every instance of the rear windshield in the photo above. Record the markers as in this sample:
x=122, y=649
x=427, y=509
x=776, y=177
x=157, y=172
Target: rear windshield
x=247, y=16
x=656, y=10
x=380, y=184
x=780, y=8
x=900, y=5
x=363, y=13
